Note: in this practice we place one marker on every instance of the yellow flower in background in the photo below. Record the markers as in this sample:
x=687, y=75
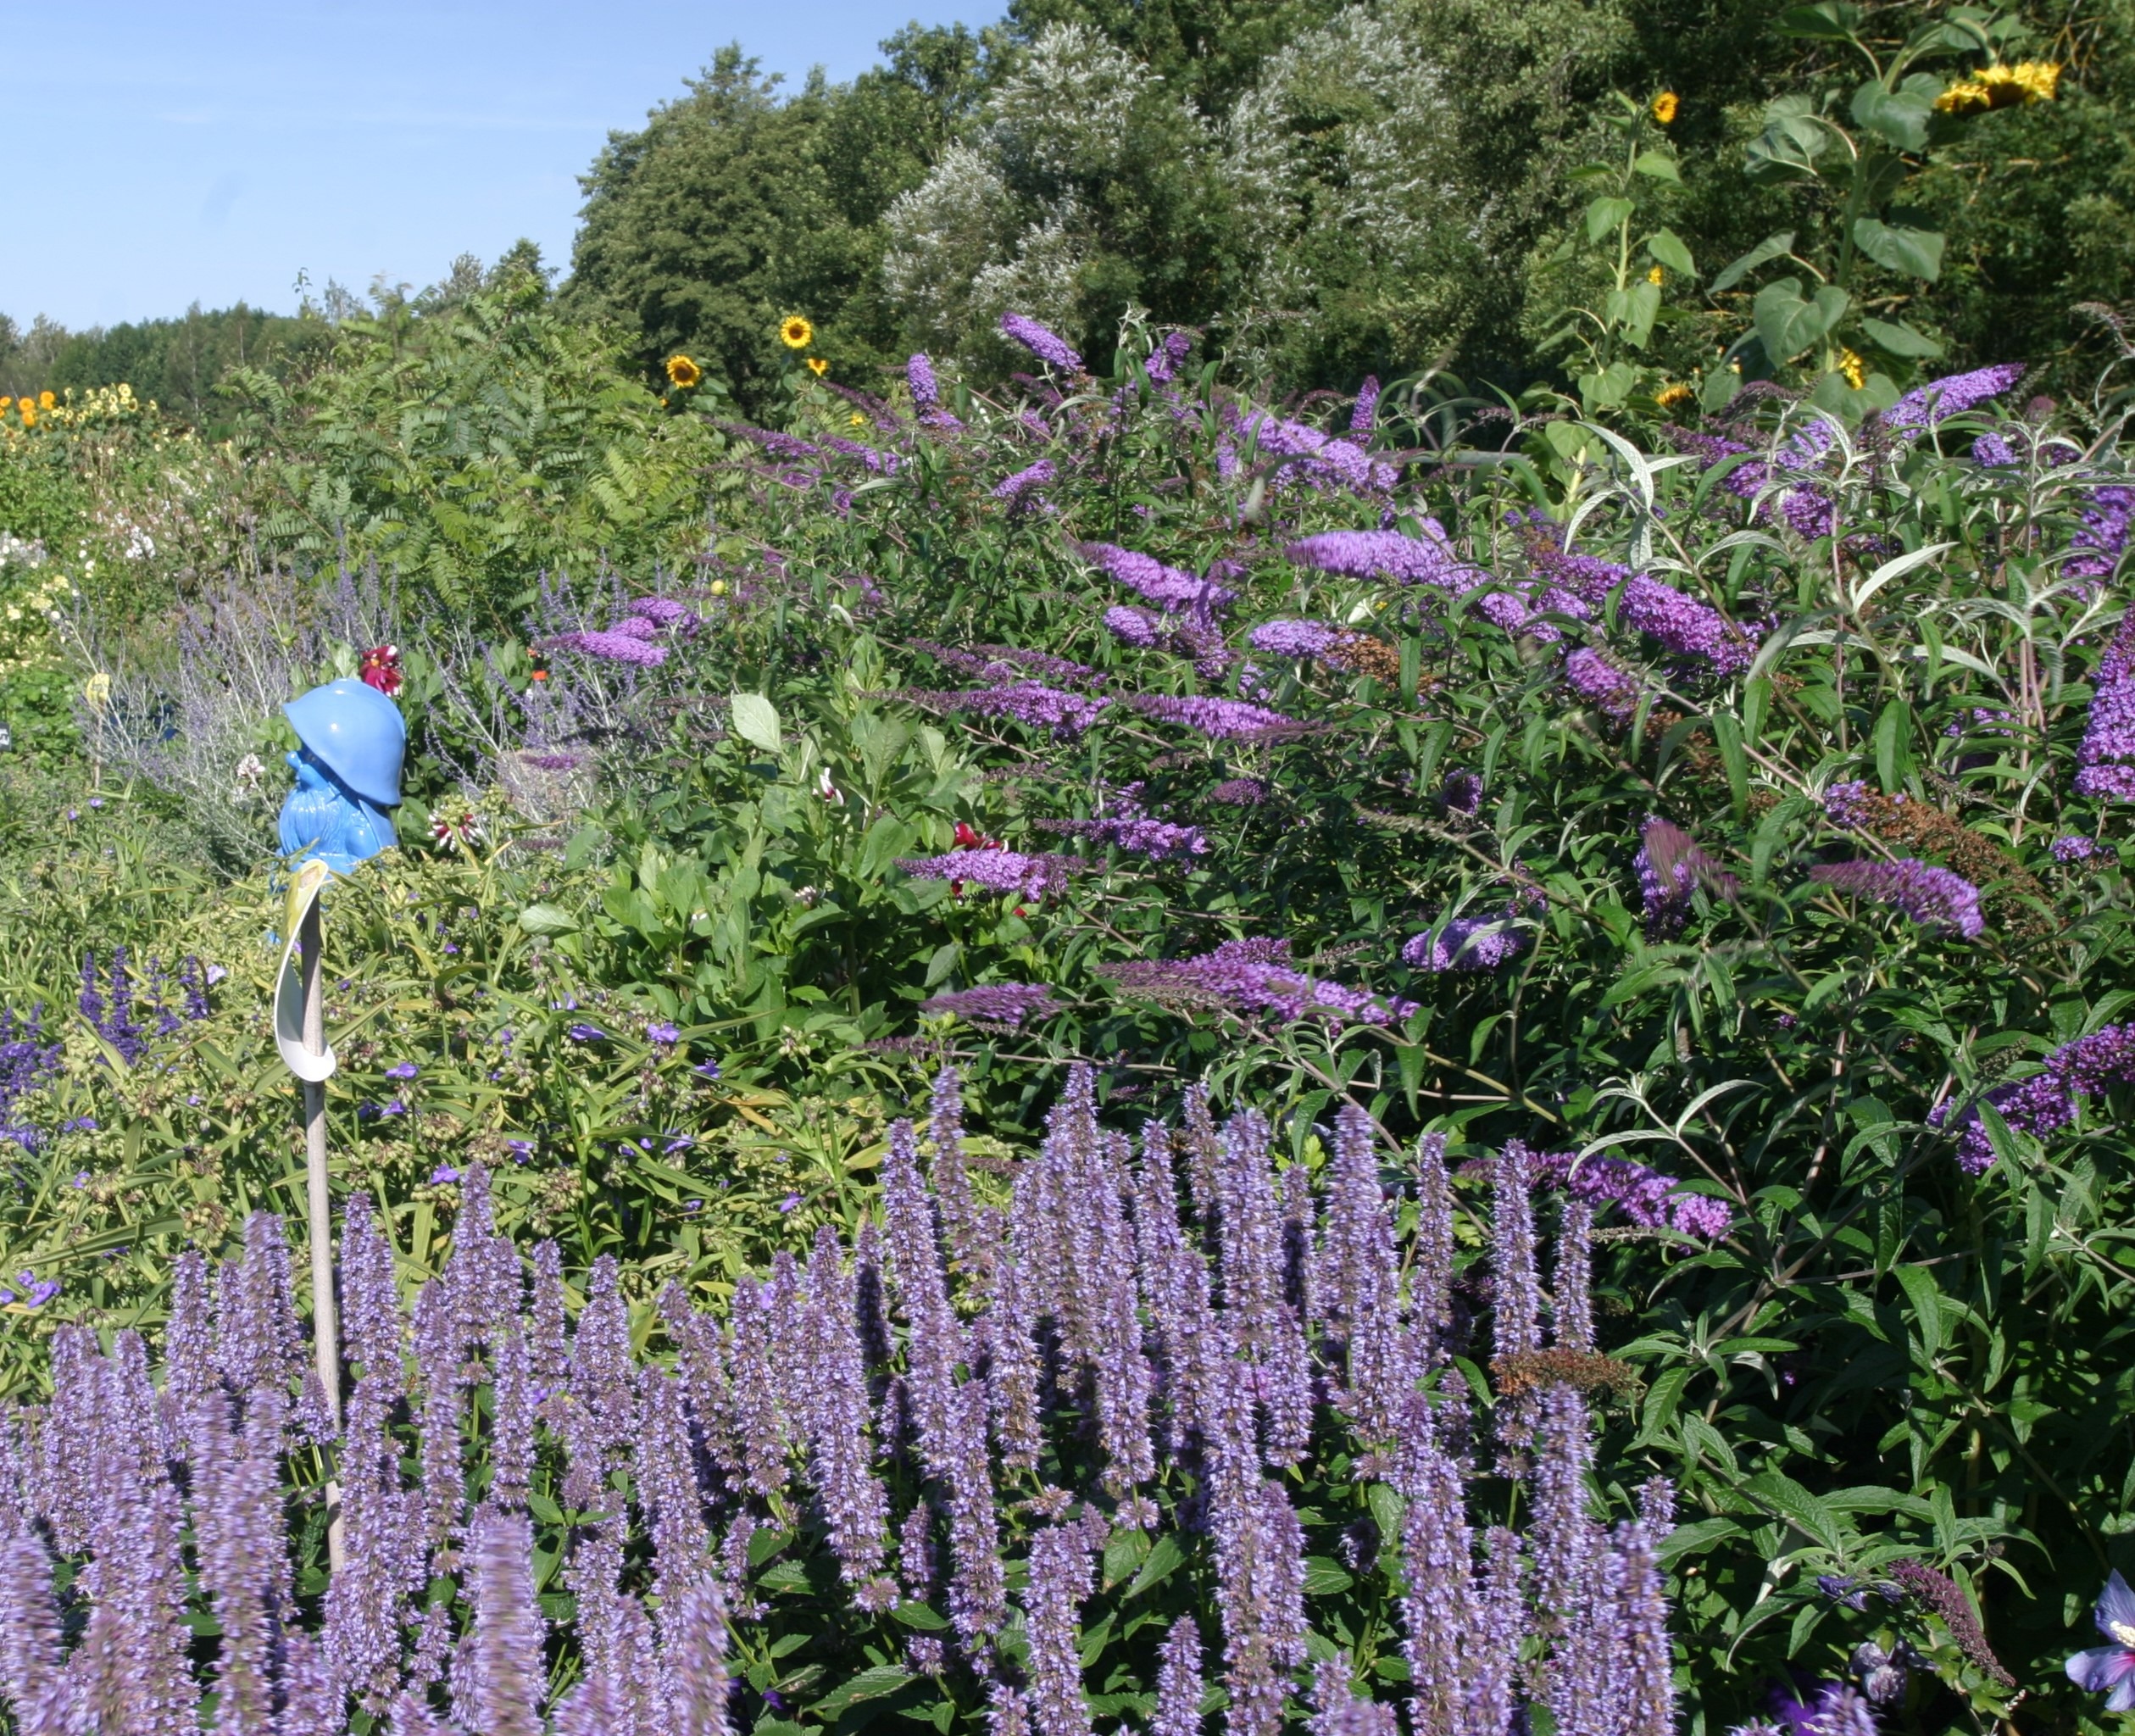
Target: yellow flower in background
x=683, y=372
x=46, y=401
x=858, y=421
x=718, y=587
x=818, y=366
x=1653, y=276
x=1669, y=396
x=97, y=690
x=29, y=412
x=795, y=333
x=2003, y=88
x=1665, y=106
x=1850, y=366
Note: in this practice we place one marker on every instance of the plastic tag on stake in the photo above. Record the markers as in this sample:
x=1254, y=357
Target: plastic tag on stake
x=304, y=888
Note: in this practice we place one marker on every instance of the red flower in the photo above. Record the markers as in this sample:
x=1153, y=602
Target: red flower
x=380, y=667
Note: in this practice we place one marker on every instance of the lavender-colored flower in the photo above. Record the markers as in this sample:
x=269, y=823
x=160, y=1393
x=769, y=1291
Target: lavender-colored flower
x=2107, y=1669
x=1167, y=587
x=1829, y=1709
x=1065, y=714
x=1240, y=793
x=505, y=1675
x=1428, y=559
x=635, y=626
x=1934, y=898
x=1048, y=347
x=1179, y=1690
x=1598, y=682
x=918, y=375
x=1461, y=794
x=1516, y=1291
x=1847, y=804
x=1060, y=1579
x=608, y=648
x=830, y=1395
x=1646, y=1197
x=998, y=1004
x=1337, y=1711
x=1032, y=476
x=1322, y=461
x=1684, y=624
x=1465, y=943
x=693, y=1654
x=2101, y=533
x=1439, y=1610
x=1294, y=639
x=1221, y=720
x=664, y=1033
x=1254, y=976
x=1009, y=871
x=587, y=1033
x=1992, y=451
x=2105, y=761
x=1356, y=1288
x=2048, y=1102
x=403, y=1069
x=1131, y=626
x=1000, y=664
x=1571, y=1294
x=1952, y=396
x=2075, y=849
x=1363, y=417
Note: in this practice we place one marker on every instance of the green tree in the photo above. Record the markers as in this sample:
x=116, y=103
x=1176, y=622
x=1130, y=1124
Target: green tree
x=734, y=206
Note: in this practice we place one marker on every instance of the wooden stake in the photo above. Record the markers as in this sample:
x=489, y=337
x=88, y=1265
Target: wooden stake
x=326, y=1332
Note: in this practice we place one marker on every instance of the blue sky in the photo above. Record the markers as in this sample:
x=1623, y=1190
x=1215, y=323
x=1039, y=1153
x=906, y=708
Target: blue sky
x=161, y=152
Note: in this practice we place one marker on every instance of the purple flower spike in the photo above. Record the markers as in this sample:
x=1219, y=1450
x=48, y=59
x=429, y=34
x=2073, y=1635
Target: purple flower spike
x=1007, y=1003
x=1048, y=347
x=1934, y=898
x=2047, y=1103
x=1221, y=720
x=919, y=375
x=2111, y=1669
x=2106, y=760
x=608, y=648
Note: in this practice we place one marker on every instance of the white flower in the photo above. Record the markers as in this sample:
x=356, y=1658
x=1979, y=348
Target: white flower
x=824, y=788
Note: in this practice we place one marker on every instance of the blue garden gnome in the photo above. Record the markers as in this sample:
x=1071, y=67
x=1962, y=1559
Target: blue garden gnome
x=347, y=774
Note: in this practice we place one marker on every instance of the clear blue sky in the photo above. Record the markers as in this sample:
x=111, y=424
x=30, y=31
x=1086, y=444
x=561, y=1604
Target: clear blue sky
x=161, y=152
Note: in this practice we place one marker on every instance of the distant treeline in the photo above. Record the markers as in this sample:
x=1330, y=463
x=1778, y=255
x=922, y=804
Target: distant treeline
x=176, y=362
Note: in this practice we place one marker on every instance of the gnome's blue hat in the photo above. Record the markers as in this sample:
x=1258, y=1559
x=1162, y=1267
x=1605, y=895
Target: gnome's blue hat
x=357, y=733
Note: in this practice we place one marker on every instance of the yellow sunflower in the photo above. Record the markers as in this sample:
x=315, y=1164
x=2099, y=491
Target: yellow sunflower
x=1654, y=276
x=1669, y=396
x=818, y=366
x=1852, y=367
x=2001, y=87
x=46, y=401
x=683, y=372
x=29, y=412
x=795, y=333
x=1665, y=106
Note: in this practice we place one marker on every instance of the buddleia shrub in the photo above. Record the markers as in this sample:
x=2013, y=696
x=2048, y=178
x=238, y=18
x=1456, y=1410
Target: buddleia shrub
x=1160, y=1430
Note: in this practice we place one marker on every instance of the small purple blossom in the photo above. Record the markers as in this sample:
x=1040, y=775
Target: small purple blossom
x=1131, y=626
x=1255, y=976
x=587, y=1033
x=1007, y=1003
x=403, y=1069
x=1240, y=793
x=1952, y=396
x=919, y=375
x=1048, y=347
x=1934, y=898
x=1992, y=451
x=1036, y=475
x=1387, y=554
x=1221, y=720
x=2047, y=1102
x=2075, y=849
x=1600, y=683
x=608, y=648
x=2106, y=758
x=1466, y=943
x=999, y=871
x=664, y=1033
x=1166, y=587
x=1294, y=638
x=2110, y=1669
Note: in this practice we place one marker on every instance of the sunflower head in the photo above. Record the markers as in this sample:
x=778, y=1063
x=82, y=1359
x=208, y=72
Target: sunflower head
x=29, y=412
x=1669, y=396
x=795, y=333
x=683, y=372
x=46, y=401
x=818, y=366
x=1665, y=106
x=1654, y=276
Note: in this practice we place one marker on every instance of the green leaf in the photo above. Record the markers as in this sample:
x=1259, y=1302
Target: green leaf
x=1918, y=253
x=1783, y=1496
x=1643, y=303
x=1898, y=117
x=1667, y=249
x=1324, y=1577
x=1658, y=164
x=1164, y=1555
x=1894, y=338
x=548, y=919
x=871, y=1683
x=1894, y=744
x=1772, y=247
x=756, y=722
x=1604, y=214
x=1829, y=22
x=919, y=1615
x=1787, y=324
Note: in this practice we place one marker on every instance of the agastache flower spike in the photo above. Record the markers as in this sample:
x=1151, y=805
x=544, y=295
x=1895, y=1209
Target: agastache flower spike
x=506, y=1671
x=1060, y=1579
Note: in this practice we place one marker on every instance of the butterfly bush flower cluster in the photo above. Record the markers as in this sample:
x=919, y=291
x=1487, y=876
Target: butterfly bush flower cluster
x=1255, y=978
x=1166, y=587
x=2105, y=761
x=1221, y=720
x=1007, y=1004
x=1646, y=1198
x=1000, y=870
x=2048, y=1101
x=1466, y=943
x=1065, y=715
x=1934, y=898
x=1048, y=345
x=877, y=1408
